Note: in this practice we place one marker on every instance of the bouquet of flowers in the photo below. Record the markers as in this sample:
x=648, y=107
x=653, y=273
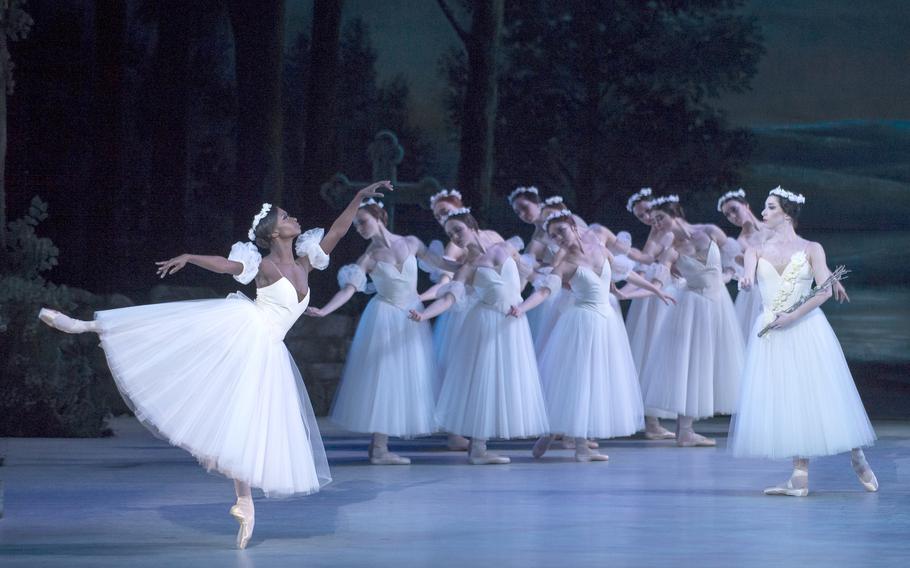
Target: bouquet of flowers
x=840, y=273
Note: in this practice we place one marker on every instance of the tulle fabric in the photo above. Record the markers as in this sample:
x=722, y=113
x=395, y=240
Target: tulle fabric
x=798, y=396
x=491, y=387
x=748, y=307
x=214, y=378
x=589, y=378
x=390, y=374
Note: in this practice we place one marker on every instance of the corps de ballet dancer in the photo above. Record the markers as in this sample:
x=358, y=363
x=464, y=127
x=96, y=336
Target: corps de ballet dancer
x=798, y=397
x=589, y=378
x=696, y=358
x=491, y=387
x=387, y=384
x=214, y=376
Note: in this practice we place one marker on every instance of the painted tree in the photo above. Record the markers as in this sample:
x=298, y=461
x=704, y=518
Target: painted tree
x=478, y=108
x=15, y=25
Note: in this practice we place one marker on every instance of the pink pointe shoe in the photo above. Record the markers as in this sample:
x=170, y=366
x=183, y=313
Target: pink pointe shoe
x=64, y=323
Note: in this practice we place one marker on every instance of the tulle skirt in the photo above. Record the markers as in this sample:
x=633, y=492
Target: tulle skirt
x=445, y=330
x=694, y=364
x=211, y=377
x=798, y=396
x=643, y=321
x=491, y=387
x=389, y=376
x=589, y=378
x=543, y=318
x=748, y=308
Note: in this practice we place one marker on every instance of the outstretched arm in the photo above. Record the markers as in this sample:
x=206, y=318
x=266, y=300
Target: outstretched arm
x=343, y=222
x=338, y=300
x=217, y=264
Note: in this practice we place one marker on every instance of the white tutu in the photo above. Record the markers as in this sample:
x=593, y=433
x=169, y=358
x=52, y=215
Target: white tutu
x=491, y=387
x=548, y=313
x=445, y=331
x=748, y=308
x=798, y=396
x=643, y=321
x=694, y=365
x=214, y=378
x=389, y=376
x=589, y=377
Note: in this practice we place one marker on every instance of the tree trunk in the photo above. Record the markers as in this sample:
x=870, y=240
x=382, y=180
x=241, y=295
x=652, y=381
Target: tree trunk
x=475, y=164
x=320, y=158
x=258, y=46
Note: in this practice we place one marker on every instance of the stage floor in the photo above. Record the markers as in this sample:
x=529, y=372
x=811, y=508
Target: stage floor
x=132, y=500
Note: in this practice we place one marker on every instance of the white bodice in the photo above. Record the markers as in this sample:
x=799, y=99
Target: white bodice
x=590, y=290
x=780, y=291
x=702, y=278
x=498, y=290
x=279, y=304
x=398, y=287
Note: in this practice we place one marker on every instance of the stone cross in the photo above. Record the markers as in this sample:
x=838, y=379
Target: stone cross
x=386, y=153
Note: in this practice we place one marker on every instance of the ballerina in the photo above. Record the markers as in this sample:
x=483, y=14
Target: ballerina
x=588, y=375
x=646, y=313
x=697, y=355
x=491, y=387
x=798, y=396
x=214, y=377
x=387, y=384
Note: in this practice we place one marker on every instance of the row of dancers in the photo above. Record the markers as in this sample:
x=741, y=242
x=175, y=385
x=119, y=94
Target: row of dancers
x=215, y=378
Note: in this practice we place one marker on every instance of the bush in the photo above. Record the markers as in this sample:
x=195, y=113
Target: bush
x=53, y=384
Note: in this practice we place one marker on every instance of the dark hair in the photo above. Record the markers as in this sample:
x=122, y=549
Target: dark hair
x=570, y=219
x=791, y=208
x=672, y=208
x=452, y=199
x=529, y=196
x=377, y=212
x=735, y=198
x=465, y=218
x=265, y=228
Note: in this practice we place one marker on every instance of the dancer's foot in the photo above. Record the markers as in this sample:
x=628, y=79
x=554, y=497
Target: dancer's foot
x=457, y=443
x=864, y=471
x=796, y=486
x=386, y=457
x=65, y=323
x=478, y=455
x=658, y=433
x=245, y=514
x=541, y=446
x=585, y=454
x=687, y=438
x=567, y=443
x=592, y=444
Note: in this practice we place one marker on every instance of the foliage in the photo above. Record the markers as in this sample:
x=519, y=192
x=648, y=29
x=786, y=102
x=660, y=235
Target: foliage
x=50, y=383
x=16, y=24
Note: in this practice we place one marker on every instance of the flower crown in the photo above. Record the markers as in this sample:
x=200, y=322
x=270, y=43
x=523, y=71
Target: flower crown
x=266, y=207
x=639, y=195
x=664, y=199
x=371, y=201
x=555, y=216
x=554, y=200
x=794, y=197
x=444, y=193
x=728, y=196
x=519, y=190
x=455, y=213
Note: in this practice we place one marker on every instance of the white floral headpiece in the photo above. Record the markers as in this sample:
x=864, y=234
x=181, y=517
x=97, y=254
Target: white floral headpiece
x=554, y=216
x=266, y=207
x=639, y=195
x=519, y=190
x=444, y=193
x=728, y=196
x=371, y=201
x=664, y=199
x=455, y=212
x=554, y=200
x=794, y=197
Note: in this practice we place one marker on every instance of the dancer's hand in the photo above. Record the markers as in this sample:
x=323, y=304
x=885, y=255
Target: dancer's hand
x=371, y=190
x=667, y=299
x=414, y=315
x=315, y=312
x=516, y=312
x=840, y=293
x=782, y=320
x=745, y=282
x=172, y=266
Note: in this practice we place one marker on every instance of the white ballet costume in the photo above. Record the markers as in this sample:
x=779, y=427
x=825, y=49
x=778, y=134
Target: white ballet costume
x=390, y=372
x=542, y=318
x=215, y=378
x=695, y=360
x=798, y=396
x=491, y=387
x=748, y=307
x=589, y=378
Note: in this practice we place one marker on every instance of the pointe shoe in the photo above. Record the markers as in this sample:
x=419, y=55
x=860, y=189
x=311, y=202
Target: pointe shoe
x=541, y=446
x=659, y=433
x=692, y=440
x=63, y=322
x=567, y=443
x=388, y=458
x=593, y=445
x=247, y=520
x=787, y=490
x=457, y=443
x=871, y=485
x=488, y=458
x=590, y=456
